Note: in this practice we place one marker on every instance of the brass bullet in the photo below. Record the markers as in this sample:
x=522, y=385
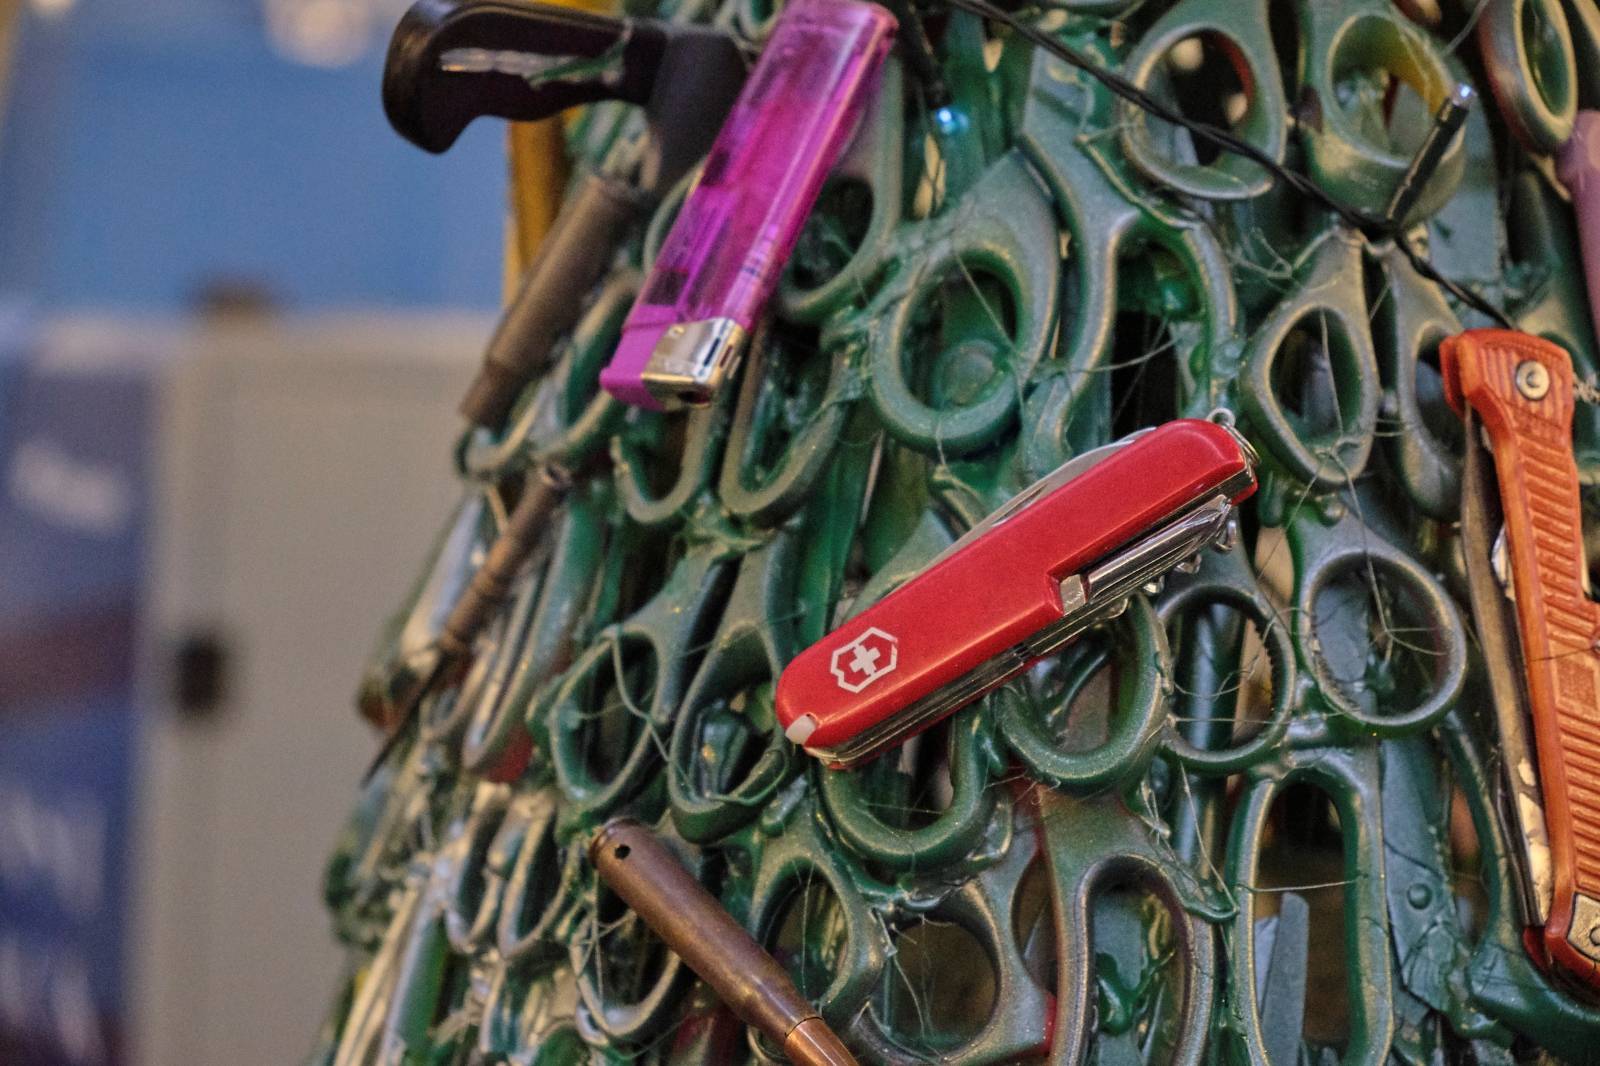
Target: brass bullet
x=650, y=879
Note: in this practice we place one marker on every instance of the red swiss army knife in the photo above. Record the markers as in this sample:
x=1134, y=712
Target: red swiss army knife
x=1063, y=554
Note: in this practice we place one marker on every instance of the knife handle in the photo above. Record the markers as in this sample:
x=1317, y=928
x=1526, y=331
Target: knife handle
x=1522, y=389
x=429, y=100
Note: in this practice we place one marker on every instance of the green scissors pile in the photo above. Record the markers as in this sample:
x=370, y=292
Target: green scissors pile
x=1255, y=819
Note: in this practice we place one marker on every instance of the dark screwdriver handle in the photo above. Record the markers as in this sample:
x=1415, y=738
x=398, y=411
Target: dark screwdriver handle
x=518, y=61
x=570, y=260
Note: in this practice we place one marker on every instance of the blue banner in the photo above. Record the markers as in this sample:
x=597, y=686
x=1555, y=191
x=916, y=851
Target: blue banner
x=75, y=481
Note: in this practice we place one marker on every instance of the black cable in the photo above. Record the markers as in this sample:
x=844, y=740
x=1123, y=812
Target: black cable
x=1227, y=142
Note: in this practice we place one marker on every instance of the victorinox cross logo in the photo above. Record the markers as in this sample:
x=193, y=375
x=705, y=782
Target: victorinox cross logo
x=865, y=659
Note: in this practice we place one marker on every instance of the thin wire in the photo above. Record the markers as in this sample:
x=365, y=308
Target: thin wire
x=1227, y=142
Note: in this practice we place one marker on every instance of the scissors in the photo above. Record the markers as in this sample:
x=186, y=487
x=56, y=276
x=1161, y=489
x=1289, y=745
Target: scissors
x=1241, y=33
x=1532, y=67
x=1349, y=778
x=630, y=987
x=437, y=924
x=532, y=1021
x=1350, y=51
x=566, y=417
x=401, y=806
x=1091, y=844
x=978, y=276
x=1432, y=949
x=539, y=883
x=1142, y=723
x=1326, y=444
x=539, y=640
x=796, y=409
x=1371, y=623
x=1107, y=221
x=1422, y=444
x=406, y=653
x=607, y=722
x=849, y=932
x=726, y=757
x=1501, y=977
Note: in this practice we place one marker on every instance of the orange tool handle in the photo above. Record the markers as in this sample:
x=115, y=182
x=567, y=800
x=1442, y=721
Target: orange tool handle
x=1522, y=389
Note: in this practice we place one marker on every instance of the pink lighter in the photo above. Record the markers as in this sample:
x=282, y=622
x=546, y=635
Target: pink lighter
x=721, y=260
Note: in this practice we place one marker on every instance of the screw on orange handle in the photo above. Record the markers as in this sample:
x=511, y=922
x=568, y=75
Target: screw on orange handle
x=1522, y=389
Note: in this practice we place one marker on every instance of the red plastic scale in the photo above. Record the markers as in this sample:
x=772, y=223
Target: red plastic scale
x=1063, y=554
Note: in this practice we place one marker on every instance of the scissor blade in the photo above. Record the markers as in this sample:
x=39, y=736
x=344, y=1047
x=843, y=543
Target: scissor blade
x=1502, y=655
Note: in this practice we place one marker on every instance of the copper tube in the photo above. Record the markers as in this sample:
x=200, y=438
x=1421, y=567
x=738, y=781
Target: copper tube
x=650, y=879
x=545, y=489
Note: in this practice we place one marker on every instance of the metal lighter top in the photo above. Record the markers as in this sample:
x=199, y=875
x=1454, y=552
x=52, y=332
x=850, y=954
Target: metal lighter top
x=721, y=260
x=1063, y=554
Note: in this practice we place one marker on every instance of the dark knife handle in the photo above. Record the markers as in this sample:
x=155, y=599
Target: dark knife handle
x=569, y=261
x=503, y=56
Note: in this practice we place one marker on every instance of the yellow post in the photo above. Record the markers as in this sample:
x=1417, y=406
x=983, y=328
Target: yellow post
x=537, y=170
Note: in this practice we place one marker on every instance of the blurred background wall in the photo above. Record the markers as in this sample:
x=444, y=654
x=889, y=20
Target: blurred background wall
x=234, y=308
x=152, y=147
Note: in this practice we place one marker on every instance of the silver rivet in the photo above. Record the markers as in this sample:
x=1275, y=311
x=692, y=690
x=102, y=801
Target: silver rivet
x=1532, y=379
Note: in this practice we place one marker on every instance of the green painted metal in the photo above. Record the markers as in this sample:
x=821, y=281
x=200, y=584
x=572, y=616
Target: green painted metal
x=1230, y=826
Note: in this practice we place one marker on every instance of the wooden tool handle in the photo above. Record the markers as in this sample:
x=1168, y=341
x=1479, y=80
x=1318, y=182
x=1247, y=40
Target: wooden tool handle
x=1522, y=389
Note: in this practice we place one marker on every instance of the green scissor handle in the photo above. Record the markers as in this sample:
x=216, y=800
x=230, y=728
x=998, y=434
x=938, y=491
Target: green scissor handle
x=533, y=903
x=1240, y=29
x=635, y=463
x=1325, y=553
x=727, y=757
x=853, y=798
x=406, y=648
x=568, y=417
x=1105, y=221
x=849, y=937
x=1329, y=302
x=634, y=1003
x=444, y=718
x=471, y=896
x=1143, y=679
x=408, y=985
x=755, y=18
x=986, y=907
x=551, y=629
x=1583, y=21
x=1096, y=843
x=371, y=1016
x=1343, y=46
x=608, y=718
x=530, y=1020
x=813, y=288
x=1532, y=68
x=1420, y=434
x=1001, y=230
x=789, y=418
x=1349, y=777
x=1430, y=941
x=1226, y=579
